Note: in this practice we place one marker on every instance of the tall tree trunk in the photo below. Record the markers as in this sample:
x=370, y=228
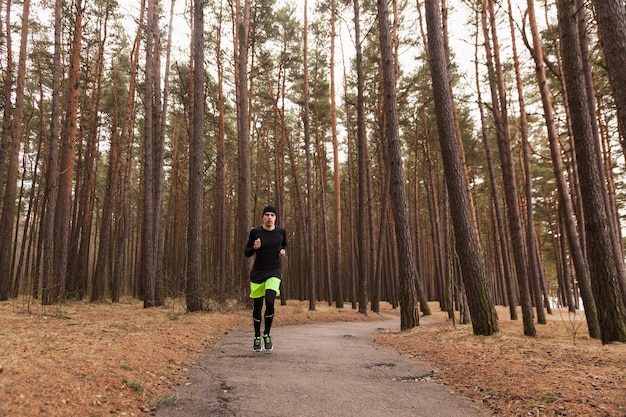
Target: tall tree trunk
x=442, y=249
x=566, y=206
x=66, y=168
x=362, y=169
x=500, y=226
x=148, y=255
x=531, y=243
x=605, y=277
x=455, y=113
x=159, y=151
x=279, y=147
x=437, y=233
x=350, y=198
x=98, y=282
x=483, y=313
x=499, y=108
x=311, y=258
x=118, y=193
x=300, y=218
x=5, y=135
x=243, y=133
x=374, y=280
x=500, y=242
x=23, y=264
x=196, y=166
x=381, y=246
x=102, y=268
x=566, y=294
x=322, y=227
x=82, y=236
x=9, y=208
x=220, y=253
x=53, y=156
x=409, y=316
x=611, y=23
x=337, y=275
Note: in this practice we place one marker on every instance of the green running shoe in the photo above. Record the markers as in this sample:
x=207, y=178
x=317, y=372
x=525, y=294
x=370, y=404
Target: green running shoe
x=268, y=342
x=257, y=344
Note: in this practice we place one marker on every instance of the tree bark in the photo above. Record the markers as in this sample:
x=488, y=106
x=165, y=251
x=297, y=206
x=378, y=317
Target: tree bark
x=5, y=135
x=337, y=276
x=605, y=278
x=9, y=208
x=362, y=169
x=122, y=220
x=148, y=254
x=193, y=291
x=500, y=225
x=531, y=243
x=53, y=155
x=611, y=23
x=499, y=108
x=160, y=124
x=569, y=223
x=483, y=313
x=219, y=251
x=99, y=283
x=311, y=257
x=409, y=316
x=243, y=134
x=66, y=168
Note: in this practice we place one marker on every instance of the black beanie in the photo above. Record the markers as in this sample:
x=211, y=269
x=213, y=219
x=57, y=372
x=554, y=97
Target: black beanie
x=270, y=209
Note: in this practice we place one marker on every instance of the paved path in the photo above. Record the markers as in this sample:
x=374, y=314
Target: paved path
x=316, y=370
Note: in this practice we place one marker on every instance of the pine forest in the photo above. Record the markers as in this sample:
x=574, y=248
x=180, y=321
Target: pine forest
x=471, y=153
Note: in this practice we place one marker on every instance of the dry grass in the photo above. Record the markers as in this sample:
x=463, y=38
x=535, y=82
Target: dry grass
x=84, y=359
x=560, y=372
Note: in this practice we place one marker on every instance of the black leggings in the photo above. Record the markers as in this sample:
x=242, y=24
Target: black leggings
x=270, y=297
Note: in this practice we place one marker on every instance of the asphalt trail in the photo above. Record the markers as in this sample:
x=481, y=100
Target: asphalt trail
x=329, y=369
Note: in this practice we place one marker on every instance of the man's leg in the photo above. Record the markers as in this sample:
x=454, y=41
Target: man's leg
x=256, y=315
x=256, y=318
x=270, y=297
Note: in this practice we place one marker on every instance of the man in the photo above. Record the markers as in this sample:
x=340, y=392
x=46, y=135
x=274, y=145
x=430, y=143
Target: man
x=268, y=243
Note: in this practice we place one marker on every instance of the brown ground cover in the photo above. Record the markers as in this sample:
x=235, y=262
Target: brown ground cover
x=560, y=372
x=81, y=359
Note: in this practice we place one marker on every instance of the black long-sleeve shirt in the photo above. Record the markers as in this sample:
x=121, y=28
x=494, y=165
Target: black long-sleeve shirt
x=267, y=262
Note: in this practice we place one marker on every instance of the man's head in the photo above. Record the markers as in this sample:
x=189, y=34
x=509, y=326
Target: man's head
x=270, y=209
x=269, y=217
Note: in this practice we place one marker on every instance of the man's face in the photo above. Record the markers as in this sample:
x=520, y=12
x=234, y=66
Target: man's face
x=269, y=219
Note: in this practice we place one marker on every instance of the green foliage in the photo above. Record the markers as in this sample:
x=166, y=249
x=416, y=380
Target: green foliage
x=165, y=399
x=548, y=397
x=133, y=384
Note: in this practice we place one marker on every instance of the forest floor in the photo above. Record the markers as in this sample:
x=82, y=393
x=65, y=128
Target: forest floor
x=82, y=359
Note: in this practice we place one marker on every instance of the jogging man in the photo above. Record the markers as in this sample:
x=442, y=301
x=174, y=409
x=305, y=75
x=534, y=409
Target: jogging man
x=268, y=243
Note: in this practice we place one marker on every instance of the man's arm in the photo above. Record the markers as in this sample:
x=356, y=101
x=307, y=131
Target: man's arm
x=284, y=245
x=249, y=249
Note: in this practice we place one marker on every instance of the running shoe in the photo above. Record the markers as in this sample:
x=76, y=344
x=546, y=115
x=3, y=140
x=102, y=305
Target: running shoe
x=268, y=342
x=257, y=344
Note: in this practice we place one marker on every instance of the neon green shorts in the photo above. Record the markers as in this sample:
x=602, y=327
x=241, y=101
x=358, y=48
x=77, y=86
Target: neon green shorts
x=258, y=290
